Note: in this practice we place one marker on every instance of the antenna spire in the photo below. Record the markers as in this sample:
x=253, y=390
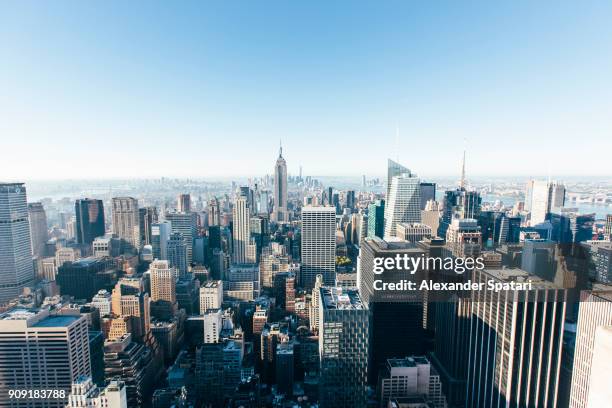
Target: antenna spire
x=462, y=182
x=280, y=152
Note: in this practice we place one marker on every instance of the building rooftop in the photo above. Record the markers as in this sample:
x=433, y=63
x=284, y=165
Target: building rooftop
x=341, y=299
x=57, y=321
x=519, y=275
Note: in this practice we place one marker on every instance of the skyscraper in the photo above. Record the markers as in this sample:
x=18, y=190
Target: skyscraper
x=57, y=354
x=38, y=228
x=126, y=220
x=186, y=224
x=428, y=192
x=147, y=216
x=16, y=266
x=163, y=282
x=459, y=203
x=177, y=253
x=343, y=348
x=160, y=234
x=318, y=245
x=403, y=203
x=183, y=203
x=376, y=219
x=89, y=220
x=280, y=189
x=394, y=169
x=595, y=311
x=515, y=342
x=241, y=234
x=545, y=196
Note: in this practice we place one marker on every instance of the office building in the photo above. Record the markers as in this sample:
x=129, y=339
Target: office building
x=318, y=245
x=183, y=203
x=186, y=224
x=403, y=203
x=102, y=302
x=136, y=365
x=147, y=216
x=57, y=354
x=213, y=324
x=244, y=251
x=376, y=219
x=85, y=394
x=464, y=237
x=163, y=282
x=211, y=296
x=595, y=312
x=428, y=193
x=410, y=377
x=343, y=348
x=126, y=221
x=284, y=368
x=89, y=220
x=600, y=392
x=544, y=197
x=430, y=216
x=515, y=342
x=279, y=212
x=16, y=266
x=160, y=235
x=38, y=228
x=413, y=232
x=177, y=253
x=400, y=313
x=394, y=169
x=83, y=278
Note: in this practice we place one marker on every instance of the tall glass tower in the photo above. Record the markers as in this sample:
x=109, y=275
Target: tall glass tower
x=16, y=266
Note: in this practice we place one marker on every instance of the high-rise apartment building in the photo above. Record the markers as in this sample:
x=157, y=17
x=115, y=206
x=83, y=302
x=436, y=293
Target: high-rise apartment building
x=595, y=311
x=89, y=220
x=38, y=228
x=126, y=223
x=403, y=203
x=343, y=348
x=318, y=245
x=57, y=354
x=16, y=266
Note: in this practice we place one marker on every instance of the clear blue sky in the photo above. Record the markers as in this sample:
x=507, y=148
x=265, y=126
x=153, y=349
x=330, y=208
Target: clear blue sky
x=141, y=89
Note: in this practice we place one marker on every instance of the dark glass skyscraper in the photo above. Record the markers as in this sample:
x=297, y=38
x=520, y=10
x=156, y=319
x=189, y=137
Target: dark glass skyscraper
x=459, y=203
x=428, y=192
x=376, y=219
x=89, y=220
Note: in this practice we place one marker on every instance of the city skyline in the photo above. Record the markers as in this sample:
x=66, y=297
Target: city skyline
x=176, y=85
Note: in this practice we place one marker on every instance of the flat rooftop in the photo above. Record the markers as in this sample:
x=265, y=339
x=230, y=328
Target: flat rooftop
x=336, y=298
x=57, y=321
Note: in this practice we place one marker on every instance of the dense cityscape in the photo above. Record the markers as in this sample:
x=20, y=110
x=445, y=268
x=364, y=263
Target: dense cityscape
x=316, y=204
x=185, y=293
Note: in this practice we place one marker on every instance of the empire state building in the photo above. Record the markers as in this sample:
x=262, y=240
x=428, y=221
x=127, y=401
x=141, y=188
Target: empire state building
x=280, y=189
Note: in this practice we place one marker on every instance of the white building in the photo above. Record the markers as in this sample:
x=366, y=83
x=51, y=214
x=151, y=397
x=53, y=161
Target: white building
x=102, y=301
x=595, y=311
x=241, y=233
x=545, y=196
x=403, y=203
x=213, y=324
x=85, y=394
x=211, y=296
x=16, y=266
x=163, y=281
x=58, y=353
